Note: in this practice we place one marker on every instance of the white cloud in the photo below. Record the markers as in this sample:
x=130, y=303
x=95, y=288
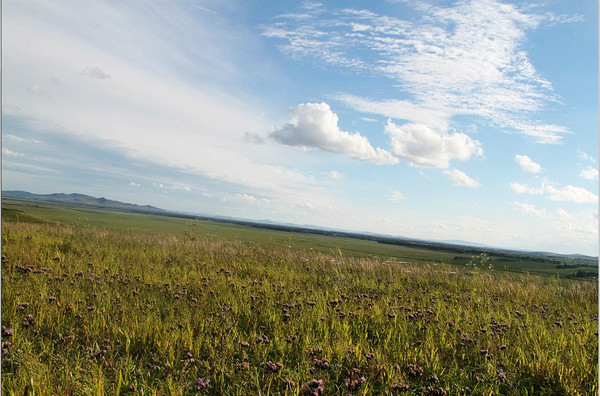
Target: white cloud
x=163, y=102
x=35, y=88
x=10, y=109
x=531, y=210
x=422, y=146
x=527, y=164
x=553, y=18
x=589, y=173
x=253, y=138
x=134, y=184
x=335, y=175
x=95, y=72
x=466, y=59
x=571, y=194
x=397, y=196
x=568, y=193
x=314, y=125
x=38, y=90
x=20, y=139
x=434, y=118
x=247, y=197
x=563, y=226
x=306, y=205
x=585, y=156
x=181, y=187
x=8, y=152
x=521, y=188
x=460, y=179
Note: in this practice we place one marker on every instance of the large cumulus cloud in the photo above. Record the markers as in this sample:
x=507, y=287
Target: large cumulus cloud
x=315, y=125
x=422, y=146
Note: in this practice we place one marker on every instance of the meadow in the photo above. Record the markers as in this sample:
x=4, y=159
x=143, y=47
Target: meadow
x=359, y=246
x=96, y=303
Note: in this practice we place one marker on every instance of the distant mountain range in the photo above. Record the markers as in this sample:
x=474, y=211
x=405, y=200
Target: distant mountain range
x=82, y=200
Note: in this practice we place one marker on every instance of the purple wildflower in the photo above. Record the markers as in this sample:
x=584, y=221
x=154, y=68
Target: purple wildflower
x=355, y=384
x=274, y=367
x=7, y=332
x=313, y=388
x=202, y=383
x=322, y=364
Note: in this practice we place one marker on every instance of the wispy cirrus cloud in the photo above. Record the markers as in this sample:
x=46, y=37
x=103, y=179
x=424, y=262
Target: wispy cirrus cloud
x=567, y=193
x=585, y=156
x=181, y=187
x=461, y=179
x=465, y=59
x=9, y=153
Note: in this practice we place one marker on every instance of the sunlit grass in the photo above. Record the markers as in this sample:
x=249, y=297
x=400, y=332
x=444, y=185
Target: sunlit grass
x=87, y=311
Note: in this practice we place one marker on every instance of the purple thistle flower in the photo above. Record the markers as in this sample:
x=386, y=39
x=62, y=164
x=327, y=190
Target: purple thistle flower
x=202, y=383
x=7, y=332
x=313, y=388
x=274, y=367
x=322, y=364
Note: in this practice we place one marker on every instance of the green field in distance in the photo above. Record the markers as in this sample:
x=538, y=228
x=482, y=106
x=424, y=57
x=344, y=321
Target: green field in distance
x=384, y=249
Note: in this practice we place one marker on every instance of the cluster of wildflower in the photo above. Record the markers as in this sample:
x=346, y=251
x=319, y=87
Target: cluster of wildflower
x=262, y=339
x=6, y=332
x=274, y=367
x=313, y=388
x=355, y=380
x=202, y=383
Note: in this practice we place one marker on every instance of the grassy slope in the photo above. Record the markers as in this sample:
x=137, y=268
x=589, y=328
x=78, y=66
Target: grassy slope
x=96, y=311
x=152, y=224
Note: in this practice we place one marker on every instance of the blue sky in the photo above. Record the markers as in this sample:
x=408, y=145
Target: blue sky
x=447, y=120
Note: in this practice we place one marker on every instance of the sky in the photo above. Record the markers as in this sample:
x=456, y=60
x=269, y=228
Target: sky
x=441, y=120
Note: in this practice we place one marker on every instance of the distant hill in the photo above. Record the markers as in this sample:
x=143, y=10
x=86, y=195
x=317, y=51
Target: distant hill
x=82, y=200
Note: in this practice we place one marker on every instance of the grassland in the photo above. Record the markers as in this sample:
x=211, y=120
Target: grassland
x=101, y=303
x=358, y=246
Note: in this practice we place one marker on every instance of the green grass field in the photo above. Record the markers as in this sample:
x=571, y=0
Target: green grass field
x=97, y=302
x=353, y=247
